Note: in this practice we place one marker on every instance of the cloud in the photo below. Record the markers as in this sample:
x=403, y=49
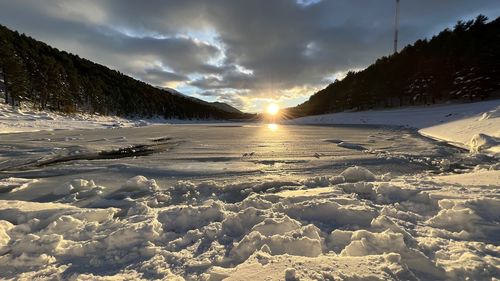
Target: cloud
x=239, y=51
x=161, y=77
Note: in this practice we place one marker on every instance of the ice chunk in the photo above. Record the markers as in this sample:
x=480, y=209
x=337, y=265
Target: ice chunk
x=278, y=245
x=339, y=239
x=140, y=183
x=74, y=186
x=273, y=226
x=240, y=223
x=385, y=193
x=290, y=274
x=331, y=213
x=182, y=218
x=357, y=173
x=368, y=243
x=353, y=146
x=482, y=142
x=5, y=226
x=478, y=218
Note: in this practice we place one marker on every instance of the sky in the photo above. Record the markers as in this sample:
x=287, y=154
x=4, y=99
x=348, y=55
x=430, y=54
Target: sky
x=247, y=53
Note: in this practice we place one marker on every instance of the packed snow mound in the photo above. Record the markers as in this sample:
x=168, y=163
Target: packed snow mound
x=184, y=218
x=385, y=193
x=357, y=173
x=294, y=243
x=332, y=212
x=482, y=142
x=140, y=183
x=290, y=274
x=339, y=227
x=81, y=189
x=77, y=186
x=494, y=113
x=272, y=226
x=5, y=226
x=324, y=267
x=13, y=184
x=468, y=219
x=368, y=243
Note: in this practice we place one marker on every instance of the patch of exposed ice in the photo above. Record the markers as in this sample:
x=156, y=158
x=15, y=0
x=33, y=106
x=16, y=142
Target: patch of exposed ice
x=349, y=145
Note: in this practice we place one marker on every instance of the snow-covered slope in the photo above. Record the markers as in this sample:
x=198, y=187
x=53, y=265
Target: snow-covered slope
x=475, y=126
x=225, y=107
x=28, y=120
x=220, y=105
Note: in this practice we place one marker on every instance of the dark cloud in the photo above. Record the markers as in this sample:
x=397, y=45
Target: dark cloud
x=231, y=80
x=157, y=76
x=235, y=50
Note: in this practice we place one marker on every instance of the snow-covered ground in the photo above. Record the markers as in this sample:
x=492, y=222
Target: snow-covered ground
x=475, y=126
x=245, y=201
x=351, y=226
x=28, y=120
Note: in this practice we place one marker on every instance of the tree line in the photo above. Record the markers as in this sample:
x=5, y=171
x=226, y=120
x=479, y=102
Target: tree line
x=48, y=79
x=460, y=64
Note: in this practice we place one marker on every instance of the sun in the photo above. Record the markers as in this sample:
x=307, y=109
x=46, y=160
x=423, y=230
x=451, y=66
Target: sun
x=272, y=109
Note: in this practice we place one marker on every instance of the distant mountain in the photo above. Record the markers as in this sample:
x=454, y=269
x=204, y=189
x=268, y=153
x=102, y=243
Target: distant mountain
x=220, y=105
x=225, y=107
x=46, y=78
x=458, y=65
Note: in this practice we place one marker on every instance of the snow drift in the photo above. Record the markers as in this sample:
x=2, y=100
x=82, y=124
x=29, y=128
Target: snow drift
x=376, y=229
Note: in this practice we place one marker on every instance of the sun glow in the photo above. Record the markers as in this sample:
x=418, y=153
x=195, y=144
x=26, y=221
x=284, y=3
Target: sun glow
x=272, y=109
x=272, y=127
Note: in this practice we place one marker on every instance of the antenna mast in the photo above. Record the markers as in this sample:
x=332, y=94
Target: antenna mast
x=396, y=27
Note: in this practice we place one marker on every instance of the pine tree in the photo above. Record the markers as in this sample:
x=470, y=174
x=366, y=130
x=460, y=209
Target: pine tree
x=14, y=74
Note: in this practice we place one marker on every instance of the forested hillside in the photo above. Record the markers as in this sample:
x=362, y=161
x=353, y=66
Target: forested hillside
x=460, y=65
x=219, y=105
x=36, y=74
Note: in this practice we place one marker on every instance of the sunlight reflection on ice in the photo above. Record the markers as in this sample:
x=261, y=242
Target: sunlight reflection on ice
x=273, y=126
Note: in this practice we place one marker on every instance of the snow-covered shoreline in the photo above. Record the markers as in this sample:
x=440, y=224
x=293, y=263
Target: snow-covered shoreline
x=20, y=120
x=474, y=126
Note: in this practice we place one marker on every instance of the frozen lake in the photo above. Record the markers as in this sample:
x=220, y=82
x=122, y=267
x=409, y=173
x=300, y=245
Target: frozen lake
x=169, y=153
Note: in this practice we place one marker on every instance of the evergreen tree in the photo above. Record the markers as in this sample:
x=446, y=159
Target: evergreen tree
x=461, y=65
x=14, y=75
